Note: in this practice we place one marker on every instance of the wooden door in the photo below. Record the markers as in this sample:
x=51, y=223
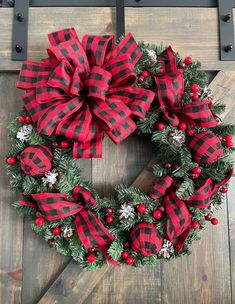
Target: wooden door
x=30, y=271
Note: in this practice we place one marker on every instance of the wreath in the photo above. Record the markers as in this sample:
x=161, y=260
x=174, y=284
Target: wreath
x=86, y=89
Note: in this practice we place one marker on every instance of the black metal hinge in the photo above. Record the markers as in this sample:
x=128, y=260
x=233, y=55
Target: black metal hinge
x=21, y=11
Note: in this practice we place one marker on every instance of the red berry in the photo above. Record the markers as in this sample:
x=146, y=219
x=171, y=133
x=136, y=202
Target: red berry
x=55, y=144
x=194, y=176
x=28, y=120
x=188, y=60
x=194, y=97
x=194, y=88
x=39, y=221
x=109, y=219
x=182, y=126
x=182, y=65
x=197, y=170
x=124, y=254
x=195, y=225
x=21, y=119
x=224, y=190
x=141, y=79
x=176, y=166
x=208, y=217
x=229, y=144
x=145, y=74
x=91, y=258
x=190, y=132
x=130, y=260
x=157, y=214
x=161, y=208
x=160, y=126
x=64, y=144
x=38, y=214
x=168, y=165
x=109, y=211
x=141, y=208
x=214, y=221
x=228, y=137
x=11, y=160
x=56, y=231
x=126, y=245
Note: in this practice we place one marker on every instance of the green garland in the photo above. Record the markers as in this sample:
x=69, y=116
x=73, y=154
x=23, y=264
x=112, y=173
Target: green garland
x=70, y=175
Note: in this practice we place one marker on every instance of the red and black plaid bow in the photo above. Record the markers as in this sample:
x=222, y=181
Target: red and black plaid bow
x=84, y=88
x=178, y=216
x=90, y=229
x=170, y=89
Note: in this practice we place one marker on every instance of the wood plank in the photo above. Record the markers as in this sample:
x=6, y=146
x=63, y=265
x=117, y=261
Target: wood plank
x=96, y=21
x=204, y=276
x=11, y=223
x=196, y=35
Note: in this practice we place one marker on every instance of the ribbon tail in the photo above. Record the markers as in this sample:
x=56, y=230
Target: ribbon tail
x=91, y=231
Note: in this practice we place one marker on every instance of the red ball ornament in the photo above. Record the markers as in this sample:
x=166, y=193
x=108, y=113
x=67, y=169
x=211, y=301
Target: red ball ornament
x=195, y=225
x=190, y=132
x=109, y=211
x=145, y=74
x=157, y=214
x=160, y=126
x=109, y=219
x=228, y=137
x=181, y=65
x=141, y=208
x=55, y=144
x=64, y=144
x=167, y=165
x=91, y=258
x=208, y=217
x=197, y=170
x=195, y=96
x=141, y=79
x=188, y=60
x=21, y=119
x=182, y=126
x=125, y=254
x=11, y=160
x=229, y=144
x=39, y=221
x=194, y=88
x=214, y=221
x=28, y=120
x=56, y=231
x=224, y=190
x=161, y=208
x=130, y=261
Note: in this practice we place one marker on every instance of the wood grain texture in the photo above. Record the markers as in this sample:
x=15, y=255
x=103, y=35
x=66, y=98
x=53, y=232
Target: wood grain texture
x=191, y=31
x=42, y=21
x=11, y=225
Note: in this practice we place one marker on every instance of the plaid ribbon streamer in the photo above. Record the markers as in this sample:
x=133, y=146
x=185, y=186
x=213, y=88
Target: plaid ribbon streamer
x=85, y=88
x=178, y=216
x=146, y=239
x=170, y=89
x=90, y=229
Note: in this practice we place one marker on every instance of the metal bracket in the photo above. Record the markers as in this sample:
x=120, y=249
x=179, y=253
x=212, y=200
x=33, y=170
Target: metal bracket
x=20, y=30
x=21, y=8
x=226, y=25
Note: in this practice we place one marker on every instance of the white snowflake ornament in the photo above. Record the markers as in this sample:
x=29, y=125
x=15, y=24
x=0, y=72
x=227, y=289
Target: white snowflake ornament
x=166, y=249
x=50, y=178
x=126, y=211
x=23, y=132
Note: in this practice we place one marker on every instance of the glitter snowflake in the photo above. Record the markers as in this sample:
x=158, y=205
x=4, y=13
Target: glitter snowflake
x=177, y=138
x=126, y=211
x=152, y=56
x=50, y=178
x=67, y=232
x=166, y=249
x=23, y=132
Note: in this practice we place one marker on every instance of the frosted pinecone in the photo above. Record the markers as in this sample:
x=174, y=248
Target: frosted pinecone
x=177, y=138
x=23, y=132
x=126, y=211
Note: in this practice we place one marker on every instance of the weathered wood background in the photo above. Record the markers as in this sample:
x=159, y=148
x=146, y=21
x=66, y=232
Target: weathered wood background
x=30, y=271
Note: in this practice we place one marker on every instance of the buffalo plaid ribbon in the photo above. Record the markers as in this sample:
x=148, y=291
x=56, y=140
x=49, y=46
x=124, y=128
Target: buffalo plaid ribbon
x=170, y=89
x=178, y=216
x=85, y=88
x=90, y=229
